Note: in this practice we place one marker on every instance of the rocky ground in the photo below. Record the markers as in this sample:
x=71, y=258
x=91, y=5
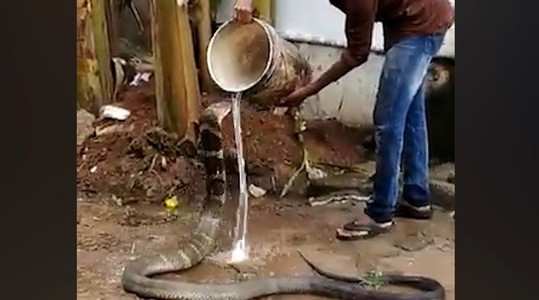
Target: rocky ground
x=125, y=170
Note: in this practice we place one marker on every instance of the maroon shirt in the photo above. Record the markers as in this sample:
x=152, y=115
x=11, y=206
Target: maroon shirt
x=400, y=19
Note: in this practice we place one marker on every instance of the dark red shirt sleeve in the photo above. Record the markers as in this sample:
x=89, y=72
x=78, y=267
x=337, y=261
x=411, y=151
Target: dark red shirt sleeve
x=360, y=18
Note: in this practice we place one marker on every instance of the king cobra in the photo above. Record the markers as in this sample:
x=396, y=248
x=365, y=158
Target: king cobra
x=139, y=275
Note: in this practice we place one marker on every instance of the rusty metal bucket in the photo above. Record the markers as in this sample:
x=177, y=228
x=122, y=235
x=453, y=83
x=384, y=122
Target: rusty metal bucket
x=254, y=60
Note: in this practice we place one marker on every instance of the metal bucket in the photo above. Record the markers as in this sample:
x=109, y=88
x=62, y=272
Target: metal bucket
x=254, y=60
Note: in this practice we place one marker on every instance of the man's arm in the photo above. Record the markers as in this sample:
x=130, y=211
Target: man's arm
x=359, y=25
x=359, y=35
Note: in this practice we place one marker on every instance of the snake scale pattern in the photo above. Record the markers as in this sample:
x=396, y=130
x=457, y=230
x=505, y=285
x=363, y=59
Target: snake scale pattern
x=139, y=274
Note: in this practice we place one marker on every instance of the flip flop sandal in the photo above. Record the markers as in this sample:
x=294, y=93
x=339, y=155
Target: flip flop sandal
x=356, y=231
x=405, y=210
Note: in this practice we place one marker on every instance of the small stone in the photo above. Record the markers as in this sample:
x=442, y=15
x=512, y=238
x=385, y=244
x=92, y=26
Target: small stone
x=93, y=170
x=84, y=126
x=414, y=244
x=101, y=131
x=443, y=194
x=446, y=247
x=163, y=163
x=443, y=172
x=117, y=200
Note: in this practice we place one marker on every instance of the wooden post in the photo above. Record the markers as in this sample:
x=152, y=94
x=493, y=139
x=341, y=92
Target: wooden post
x=177, y=90
x=203, y=24
x=94, y=78
x=113, y=17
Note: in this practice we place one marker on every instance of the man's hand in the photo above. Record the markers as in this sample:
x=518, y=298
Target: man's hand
x=297, y=97
x=243, y=11
x=305, y=89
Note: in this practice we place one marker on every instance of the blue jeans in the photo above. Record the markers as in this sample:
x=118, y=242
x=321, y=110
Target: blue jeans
x=401, y=127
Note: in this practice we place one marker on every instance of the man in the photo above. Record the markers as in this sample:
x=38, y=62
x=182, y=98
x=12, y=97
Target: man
x=413, y=33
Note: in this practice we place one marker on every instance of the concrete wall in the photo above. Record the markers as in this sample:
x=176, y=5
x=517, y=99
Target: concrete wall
x=351, y=99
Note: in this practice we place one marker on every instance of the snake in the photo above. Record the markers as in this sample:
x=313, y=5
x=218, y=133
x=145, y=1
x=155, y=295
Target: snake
x=140, y=276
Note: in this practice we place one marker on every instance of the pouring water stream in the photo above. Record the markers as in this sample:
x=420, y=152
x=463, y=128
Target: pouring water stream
x=240, y=252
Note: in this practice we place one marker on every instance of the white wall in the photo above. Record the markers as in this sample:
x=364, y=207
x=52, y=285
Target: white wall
x=318, y=20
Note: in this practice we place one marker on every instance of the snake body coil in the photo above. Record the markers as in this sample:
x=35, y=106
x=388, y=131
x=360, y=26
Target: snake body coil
x=138, y=275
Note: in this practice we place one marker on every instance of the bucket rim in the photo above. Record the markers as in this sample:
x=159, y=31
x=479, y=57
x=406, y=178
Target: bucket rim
x=267, y=68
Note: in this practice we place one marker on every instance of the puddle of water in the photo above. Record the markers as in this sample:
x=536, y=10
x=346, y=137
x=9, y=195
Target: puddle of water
x=240, y=251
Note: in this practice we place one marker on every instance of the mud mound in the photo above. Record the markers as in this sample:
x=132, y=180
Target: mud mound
x=270, y=140
x=134, y=160
x=273, y=152
x=330, y=142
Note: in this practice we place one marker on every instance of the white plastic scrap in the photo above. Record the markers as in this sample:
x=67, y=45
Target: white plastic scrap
x=315, y=173
x=114, y=112
x=139, y=77
x=256, y=191
x=280, y=111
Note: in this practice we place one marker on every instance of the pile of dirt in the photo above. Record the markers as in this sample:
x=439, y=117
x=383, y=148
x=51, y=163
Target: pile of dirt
x=271, y=146
x=268, y=138
x=134, y=160
x=332, y=143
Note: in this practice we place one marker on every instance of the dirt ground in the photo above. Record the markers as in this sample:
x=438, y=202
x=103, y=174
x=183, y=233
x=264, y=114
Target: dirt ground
x=127, y=170
x=108, y=236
